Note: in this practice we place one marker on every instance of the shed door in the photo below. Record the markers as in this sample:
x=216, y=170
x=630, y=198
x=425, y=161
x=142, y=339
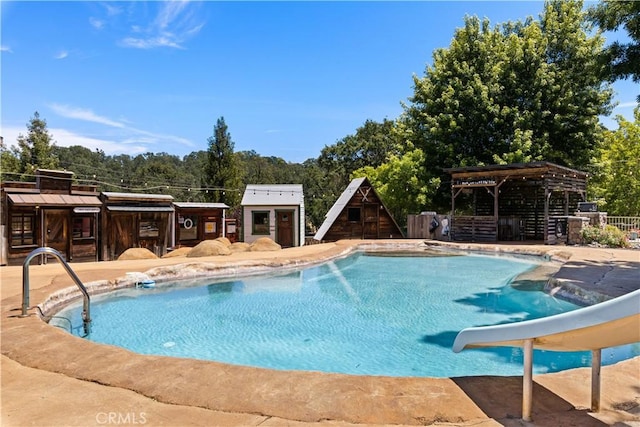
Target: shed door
x=285, y=228
x=56, y=230
x=371, y=221
x=121, y=235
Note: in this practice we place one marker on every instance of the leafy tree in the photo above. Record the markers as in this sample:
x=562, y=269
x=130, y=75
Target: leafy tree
x=369, y=146
x=88, y=166
x=401, y=184
x=622, y=60
x=616, y=186
x=35, y=150
x=222, y=173
x=9, y=163
x=518, y=91
x=321, y=190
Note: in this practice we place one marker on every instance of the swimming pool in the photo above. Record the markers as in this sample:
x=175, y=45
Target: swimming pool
x=364, y=314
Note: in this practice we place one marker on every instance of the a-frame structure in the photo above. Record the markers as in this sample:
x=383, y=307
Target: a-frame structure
x=358, y=214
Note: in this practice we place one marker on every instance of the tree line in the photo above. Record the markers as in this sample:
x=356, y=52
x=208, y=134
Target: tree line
x=516, y=92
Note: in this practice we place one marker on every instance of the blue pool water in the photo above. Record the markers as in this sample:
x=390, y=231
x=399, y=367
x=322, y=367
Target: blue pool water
x=365, y=315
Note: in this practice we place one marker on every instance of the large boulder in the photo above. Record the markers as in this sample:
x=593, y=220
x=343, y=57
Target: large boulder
x=137, y=253
x=183, y=251
x=239, y=247
x=224, y=241
x=264, y=244
x=208, y=248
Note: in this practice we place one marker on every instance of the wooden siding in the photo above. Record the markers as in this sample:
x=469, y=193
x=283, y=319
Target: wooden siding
x=375, y=221
x=474, y=229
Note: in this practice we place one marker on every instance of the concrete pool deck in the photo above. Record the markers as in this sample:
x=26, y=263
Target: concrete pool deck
x=50, y=378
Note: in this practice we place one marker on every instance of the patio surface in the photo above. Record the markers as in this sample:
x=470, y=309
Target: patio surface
x=50, y=378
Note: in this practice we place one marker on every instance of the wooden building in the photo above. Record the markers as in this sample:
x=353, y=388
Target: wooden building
x=135, y=220
x=358, y=214
x=275, y=211
x=523, y=201
x=53, y=212
x=195, y=222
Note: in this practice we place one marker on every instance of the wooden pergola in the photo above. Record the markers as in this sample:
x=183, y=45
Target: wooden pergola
x=518, y=201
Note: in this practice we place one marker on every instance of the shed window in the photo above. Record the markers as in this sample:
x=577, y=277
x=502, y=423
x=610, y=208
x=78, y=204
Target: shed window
x=353, y=214
x=260, y=222
x=188, y=227
x=83, y=227
x=22, y=229
x=149, y=229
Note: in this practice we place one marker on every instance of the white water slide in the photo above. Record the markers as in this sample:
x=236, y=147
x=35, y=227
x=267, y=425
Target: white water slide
x=608, y=324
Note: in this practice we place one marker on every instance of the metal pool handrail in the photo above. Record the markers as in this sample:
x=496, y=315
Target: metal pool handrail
x=86, y=309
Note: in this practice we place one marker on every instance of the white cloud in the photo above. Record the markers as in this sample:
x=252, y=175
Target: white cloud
x=149, y=43
x=96, y=23
x=4, y=48
x=127, y=133
x=83, y=114
x=174, y=24
x=631, y=104
x=61, y=55
x=67, y=138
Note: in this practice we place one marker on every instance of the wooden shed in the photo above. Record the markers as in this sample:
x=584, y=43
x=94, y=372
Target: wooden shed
x=53, y=212
x=135, y=220
x=196, y=222
x=358, y=214
x=275, y=211
x=521, y=201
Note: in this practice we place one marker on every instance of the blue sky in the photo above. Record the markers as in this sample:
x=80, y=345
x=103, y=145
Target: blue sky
x=288, y=77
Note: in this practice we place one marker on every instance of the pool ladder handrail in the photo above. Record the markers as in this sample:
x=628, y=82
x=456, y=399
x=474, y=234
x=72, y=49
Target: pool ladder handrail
x=86, y=306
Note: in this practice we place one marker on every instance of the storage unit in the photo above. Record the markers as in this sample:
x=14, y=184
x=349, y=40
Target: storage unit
x=275, y=211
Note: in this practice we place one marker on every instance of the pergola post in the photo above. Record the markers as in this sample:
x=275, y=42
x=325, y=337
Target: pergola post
x=527, y=380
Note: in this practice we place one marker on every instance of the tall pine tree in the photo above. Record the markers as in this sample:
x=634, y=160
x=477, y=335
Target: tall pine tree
x=222, y=173
x=35, y=151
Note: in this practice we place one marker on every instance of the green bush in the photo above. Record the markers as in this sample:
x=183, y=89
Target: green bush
x=609, y=236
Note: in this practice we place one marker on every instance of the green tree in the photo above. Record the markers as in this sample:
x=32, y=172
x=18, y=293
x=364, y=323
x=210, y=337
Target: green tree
x=369, y=146
x=621, y=59
x=401, y=184
x=9, y=163
x=35, y=150
x=222, y=172
x=616, y=185
x=518, y=91
x=88, y=166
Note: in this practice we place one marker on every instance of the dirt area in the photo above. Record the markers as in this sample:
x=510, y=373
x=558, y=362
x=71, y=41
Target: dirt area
x=50, y=378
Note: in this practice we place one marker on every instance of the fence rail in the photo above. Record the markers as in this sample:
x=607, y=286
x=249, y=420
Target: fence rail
x=624, y=223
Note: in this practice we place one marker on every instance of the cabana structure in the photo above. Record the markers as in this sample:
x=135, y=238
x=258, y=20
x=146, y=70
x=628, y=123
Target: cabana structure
x=520, y=201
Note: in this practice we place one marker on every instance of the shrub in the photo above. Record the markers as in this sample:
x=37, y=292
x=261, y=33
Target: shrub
x=609, y=236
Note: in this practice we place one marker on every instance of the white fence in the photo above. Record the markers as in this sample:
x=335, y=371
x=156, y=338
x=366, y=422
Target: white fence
x=625, y=223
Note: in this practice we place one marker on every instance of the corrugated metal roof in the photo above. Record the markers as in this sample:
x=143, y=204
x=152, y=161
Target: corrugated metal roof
x=140, y=208
x=53, y=200
x=338, y=207
x=273, y=195
x=201, y=205
x=136, y=196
